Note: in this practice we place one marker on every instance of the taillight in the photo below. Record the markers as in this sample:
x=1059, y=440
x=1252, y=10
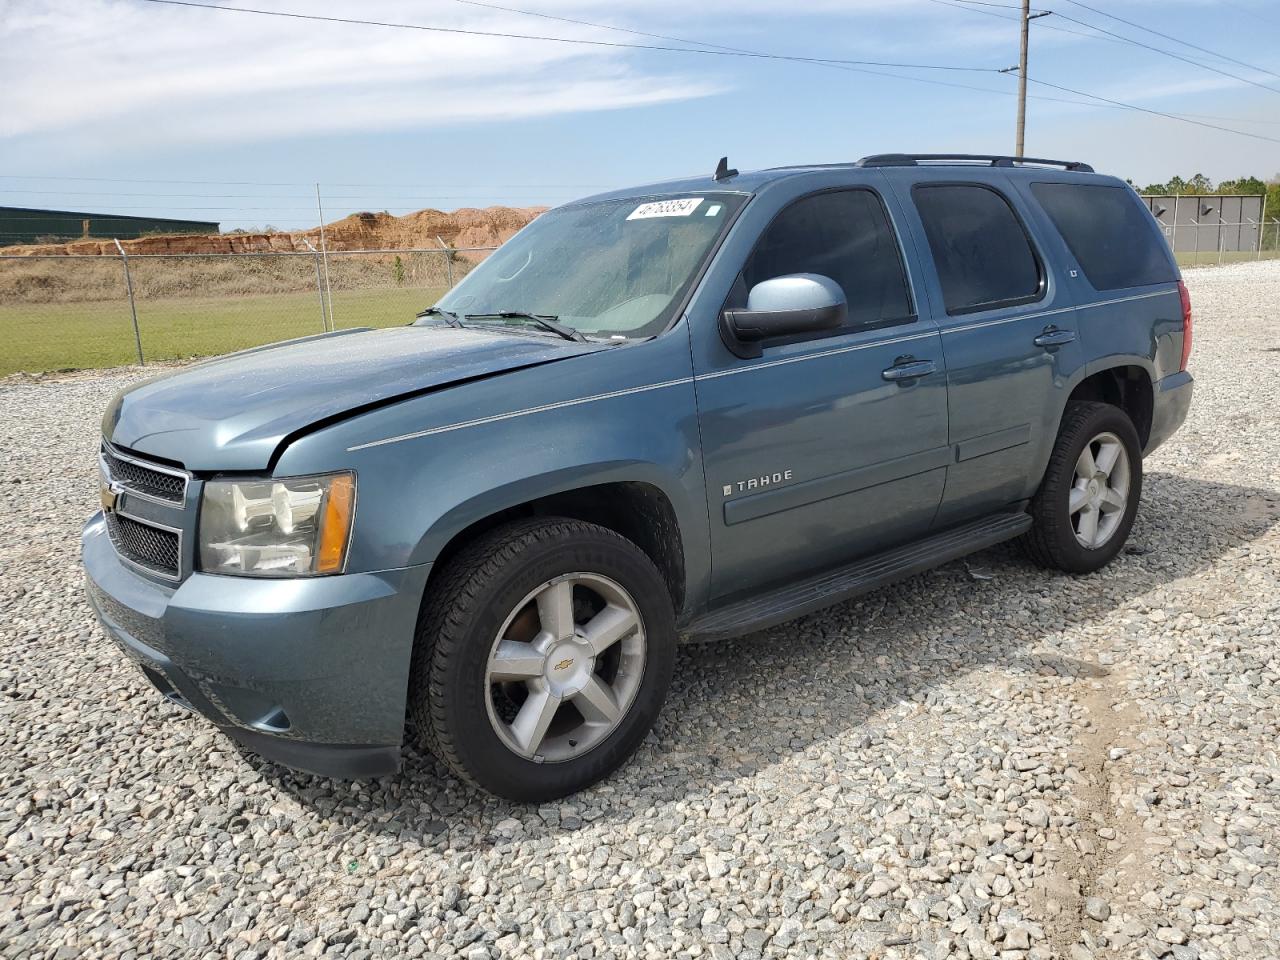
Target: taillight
x=1186, y=323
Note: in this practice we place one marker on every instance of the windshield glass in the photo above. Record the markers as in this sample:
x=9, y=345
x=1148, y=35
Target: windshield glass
x=618, y=268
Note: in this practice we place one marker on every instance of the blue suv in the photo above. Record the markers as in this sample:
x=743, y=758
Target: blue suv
x=692, y=409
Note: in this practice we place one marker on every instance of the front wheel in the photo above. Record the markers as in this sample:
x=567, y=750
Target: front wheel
x=543, y=657
x=1088, y=499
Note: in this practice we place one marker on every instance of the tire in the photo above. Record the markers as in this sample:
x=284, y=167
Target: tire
x=1060, y=538
x=551, y=589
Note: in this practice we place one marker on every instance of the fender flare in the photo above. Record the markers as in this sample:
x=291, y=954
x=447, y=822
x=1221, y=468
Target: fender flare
x=1101, y=365
x=525, y=489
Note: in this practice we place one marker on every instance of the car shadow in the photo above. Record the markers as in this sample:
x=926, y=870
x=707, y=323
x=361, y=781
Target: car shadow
x=738, y=707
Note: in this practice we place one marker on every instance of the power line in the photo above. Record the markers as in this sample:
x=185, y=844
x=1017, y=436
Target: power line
x=129, y=208
x=714, y=46
x=1155, y=113
x=704, y=43
x=1246, y=10
x=1111, y=37
x=598, y=26
x=988, y=3
x=353, y=21
x=964, y=5
x=259, y=183
x=1169, y=53
x=1185, y=43
x=1097, y=100
x=259, y=196
x=710, y=52
x=717, y=50
x=1211, y=116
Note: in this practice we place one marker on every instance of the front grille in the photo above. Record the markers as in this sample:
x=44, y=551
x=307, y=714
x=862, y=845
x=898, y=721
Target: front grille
x=145, y=480
x=145, y=545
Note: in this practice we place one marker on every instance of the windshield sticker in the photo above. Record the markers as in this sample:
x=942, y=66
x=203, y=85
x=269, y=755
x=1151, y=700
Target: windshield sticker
x=665, y=208
x=713, y=210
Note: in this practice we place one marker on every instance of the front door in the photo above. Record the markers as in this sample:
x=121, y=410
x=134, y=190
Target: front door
x=834, y=446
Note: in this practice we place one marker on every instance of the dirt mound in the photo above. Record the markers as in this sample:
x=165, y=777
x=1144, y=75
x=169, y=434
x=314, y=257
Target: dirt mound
x=467, y=227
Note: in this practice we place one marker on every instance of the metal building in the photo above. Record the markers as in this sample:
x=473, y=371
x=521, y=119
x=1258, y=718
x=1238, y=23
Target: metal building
x=28, y=225
x=1210, y=222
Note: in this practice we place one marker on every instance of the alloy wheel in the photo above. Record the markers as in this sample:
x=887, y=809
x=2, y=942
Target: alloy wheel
x=565, y=667
x=1100, y=490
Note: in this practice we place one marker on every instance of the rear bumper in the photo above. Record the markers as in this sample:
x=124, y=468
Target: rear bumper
x=1171, y=403
x=310, y=673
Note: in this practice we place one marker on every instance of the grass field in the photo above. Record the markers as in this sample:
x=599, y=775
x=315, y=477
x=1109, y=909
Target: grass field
x=71, y=336
x=67, y=333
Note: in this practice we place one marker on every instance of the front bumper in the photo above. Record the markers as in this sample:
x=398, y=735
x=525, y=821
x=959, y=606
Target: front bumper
x=309, y=672
x=1169, y=409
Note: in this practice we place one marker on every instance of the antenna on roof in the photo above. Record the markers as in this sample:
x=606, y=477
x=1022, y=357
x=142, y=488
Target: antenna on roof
x=723, y=172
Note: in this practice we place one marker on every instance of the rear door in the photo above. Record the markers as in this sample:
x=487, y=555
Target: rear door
x=1126, y=278
x=813, y=453
x=1008, y=332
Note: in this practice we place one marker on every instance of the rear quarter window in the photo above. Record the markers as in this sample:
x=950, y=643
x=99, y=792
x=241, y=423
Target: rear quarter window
x=1109, y=232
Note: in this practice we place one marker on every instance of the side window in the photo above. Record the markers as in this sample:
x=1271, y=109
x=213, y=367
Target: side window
x=1108, y=231
x=844, y=235
x=980, y=248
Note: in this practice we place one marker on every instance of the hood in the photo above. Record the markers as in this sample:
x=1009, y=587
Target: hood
x=232, y=413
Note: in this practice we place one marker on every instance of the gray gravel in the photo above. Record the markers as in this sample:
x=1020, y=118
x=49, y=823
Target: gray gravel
x=985, y=761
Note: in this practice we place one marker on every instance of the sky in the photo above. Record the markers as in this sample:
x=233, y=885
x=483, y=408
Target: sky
x=127, y=106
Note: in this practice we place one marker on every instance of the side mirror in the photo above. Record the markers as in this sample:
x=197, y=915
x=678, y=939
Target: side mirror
x=783, y=307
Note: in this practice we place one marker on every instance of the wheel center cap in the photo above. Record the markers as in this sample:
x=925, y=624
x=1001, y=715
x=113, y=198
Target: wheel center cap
x=567, y=667
x=1095, y=489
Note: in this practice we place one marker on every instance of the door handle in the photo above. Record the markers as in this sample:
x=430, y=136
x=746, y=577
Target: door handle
x=1053, y=337
x=906, y=368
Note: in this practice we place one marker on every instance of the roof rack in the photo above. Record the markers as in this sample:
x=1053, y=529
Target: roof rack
x=994, y=160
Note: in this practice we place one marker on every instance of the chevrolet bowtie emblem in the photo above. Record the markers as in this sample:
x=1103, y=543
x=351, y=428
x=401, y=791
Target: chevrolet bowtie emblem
x=110, y=496
x=564, y=664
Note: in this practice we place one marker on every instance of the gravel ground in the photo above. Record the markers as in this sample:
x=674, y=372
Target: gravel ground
x=987, y=760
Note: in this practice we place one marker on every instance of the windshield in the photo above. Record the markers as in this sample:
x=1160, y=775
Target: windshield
x=618, y=268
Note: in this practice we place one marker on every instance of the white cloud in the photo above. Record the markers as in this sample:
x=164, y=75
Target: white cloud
x=109, y=78
x=124, y=71
x=178, y=74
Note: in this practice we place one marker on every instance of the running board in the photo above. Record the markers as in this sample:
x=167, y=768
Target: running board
x=862, y=576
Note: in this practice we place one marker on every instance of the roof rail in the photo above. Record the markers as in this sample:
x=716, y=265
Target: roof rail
x=994, y=160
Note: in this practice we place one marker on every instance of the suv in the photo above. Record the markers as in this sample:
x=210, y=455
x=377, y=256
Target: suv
x=693, y=409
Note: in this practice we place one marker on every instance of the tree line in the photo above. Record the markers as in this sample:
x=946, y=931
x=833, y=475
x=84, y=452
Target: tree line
x=1200, y=184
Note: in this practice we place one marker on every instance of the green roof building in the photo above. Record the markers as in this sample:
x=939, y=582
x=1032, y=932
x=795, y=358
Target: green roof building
x=29, y=225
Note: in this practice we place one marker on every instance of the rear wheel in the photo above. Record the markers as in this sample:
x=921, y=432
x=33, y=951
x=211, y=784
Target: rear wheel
x=544, y=654
x=1088, y=499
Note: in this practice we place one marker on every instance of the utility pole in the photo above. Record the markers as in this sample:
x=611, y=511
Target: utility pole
x=324, y=253
x=1022, y=76
x=1025, y=24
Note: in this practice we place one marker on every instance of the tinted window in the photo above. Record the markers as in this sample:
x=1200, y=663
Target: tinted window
x=1109, y=232
x=982, y=253
x=843, y=235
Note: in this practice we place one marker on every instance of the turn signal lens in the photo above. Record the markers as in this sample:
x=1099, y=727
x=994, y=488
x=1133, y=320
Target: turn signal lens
x=335, y=529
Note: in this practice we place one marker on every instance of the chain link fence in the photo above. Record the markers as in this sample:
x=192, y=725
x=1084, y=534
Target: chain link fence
x=78, y=312
x=1207, y=242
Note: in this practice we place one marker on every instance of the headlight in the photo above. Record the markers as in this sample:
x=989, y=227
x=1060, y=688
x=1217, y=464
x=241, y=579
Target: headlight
x=277, y=528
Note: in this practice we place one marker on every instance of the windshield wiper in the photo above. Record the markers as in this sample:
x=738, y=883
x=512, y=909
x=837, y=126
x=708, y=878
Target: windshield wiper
x=545, y=321
x=451, y=318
